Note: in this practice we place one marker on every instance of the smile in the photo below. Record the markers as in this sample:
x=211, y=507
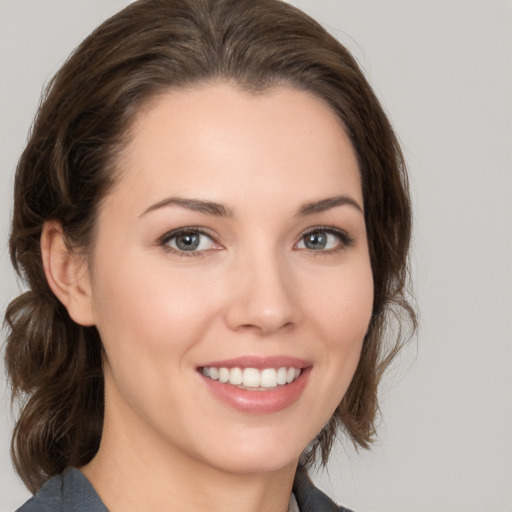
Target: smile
x=256, y=384
x=252, y=378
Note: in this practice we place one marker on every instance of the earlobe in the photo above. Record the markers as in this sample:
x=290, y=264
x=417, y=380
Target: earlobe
x=67, y=274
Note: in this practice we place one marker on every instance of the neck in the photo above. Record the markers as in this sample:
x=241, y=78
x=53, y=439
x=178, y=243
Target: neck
x=134, y=470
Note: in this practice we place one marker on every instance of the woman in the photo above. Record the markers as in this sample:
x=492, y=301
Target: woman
x=213, y=220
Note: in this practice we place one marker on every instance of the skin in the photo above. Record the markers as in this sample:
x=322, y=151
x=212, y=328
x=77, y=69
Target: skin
x=253, y=288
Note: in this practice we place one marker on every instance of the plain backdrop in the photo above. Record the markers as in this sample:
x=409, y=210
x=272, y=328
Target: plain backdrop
x=443, y=71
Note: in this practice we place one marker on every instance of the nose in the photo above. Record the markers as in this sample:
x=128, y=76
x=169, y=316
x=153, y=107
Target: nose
x=264, y=296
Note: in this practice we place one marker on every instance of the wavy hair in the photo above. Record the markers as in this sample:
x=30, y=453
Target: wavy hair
x=69, y=166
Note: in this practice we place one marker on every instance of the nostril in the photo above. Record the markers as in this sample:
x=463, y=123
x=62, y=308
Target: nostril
x=265, y=328
x=262, y=301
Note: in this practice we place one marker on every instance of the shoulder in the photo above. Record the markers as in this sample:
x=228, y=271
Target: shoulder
x=311, y=499
x=48, y=498
x=67, y=492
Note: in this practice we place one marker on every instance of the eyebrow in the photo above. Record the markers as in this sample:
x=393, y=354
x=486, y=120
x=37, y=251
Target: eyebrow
x=219, y=210
x=197, y=205
x=326, y=204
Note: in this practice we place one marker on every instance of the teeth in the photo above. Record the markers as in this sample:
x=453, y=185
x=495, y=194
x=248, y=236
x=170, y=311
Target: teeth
x=281, y=376
x=223, y=375
x=252, y=377
x=268, y=378
x=235, y=376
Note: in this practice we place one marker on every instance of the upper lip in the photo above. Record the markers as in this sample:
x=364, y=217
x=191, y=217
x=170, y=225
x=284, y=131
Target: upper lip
x=259, y=362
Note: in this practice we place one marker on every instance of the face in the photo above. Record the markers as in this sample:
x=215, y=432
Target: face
x=231, y=282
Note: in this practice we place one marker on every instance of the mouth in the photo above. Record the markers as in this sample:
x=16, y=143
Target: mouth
x=258, y=385
x=253, y=379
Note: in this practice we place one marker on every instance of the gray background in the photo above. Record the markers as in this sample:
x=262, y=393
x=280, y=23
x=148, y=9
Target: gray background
x=443, y=70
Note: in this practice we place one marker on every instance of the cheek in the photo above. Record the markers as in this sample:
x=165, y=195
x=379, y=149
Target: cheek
x=142, y=311
x=345, y=307
x=343, y=317
x=341, y=308
x=149, y=329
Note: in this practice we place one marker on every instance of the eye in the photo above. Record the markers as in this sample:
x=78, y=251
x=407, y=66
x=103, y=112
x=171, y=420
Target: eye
x=324, y=239
x=189, y=240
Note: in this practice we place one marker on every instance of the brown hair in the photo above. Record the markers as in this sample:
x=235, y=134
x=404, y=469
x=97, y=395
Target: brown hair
x=69, y=163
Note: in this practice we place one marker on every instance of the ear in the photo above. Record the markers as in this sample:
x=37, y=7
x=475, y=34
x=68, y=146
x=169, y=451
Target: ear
x=67, y=274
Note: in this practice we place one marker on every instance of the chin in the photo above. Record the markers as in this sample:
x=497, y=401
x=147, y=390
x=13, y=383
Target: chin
x=262, y=452
x=271, y=462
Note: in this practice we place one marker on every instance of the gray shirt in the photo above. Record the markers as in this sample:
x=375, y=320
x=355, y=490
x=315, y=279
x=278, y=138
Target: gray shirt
x=72, y=492
x=67, y=492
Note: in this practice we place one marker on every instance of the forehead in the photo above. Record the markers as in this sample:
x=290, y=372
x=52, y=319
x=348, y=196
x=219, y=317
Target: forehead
x=219, y=140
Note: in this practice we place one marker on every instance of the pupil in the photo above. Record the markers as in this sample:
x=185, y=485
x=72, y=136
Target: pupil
x=187, y=242
x=316, y=241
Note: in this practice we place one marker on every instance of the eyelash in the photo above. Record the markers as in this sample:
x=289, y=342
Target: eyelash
x=165, y=239
x=344, y=239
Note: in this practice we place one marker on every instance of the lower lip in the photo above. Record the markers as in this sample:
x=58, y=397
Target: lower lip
x=259, y=402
